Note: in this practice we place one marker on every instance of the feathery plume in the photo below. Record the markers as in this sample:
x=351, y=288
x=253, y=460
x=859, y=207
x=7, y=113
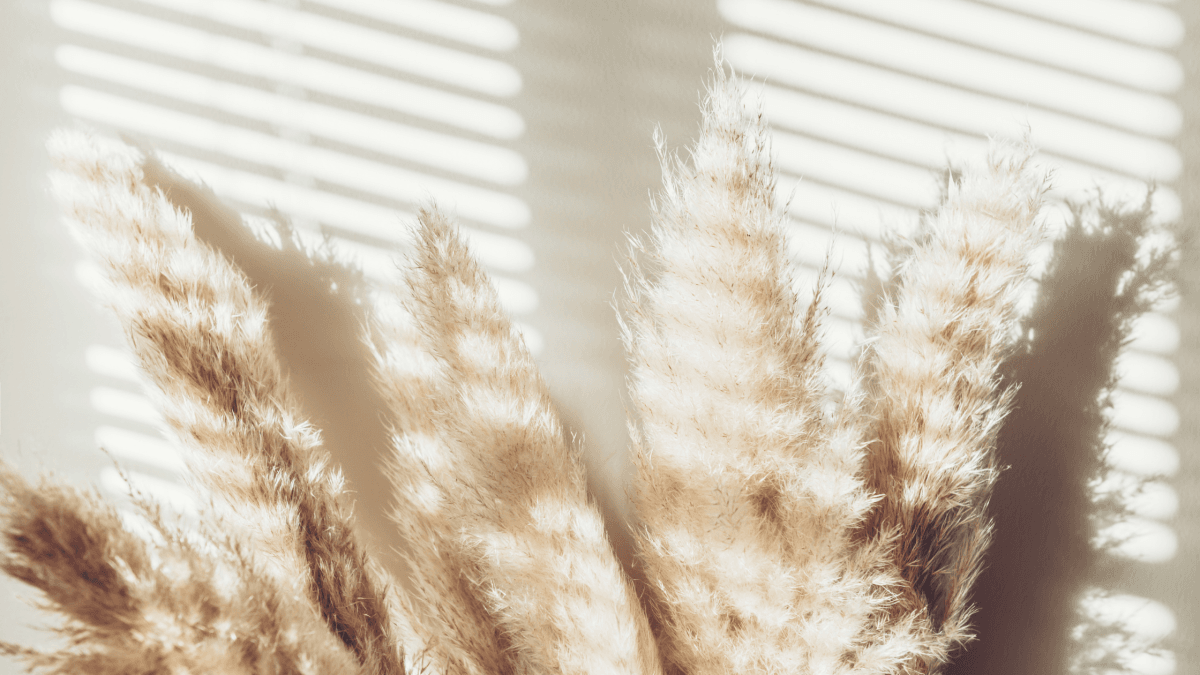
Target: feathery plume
x=933, y=381
x=779, y=533
x=455, y=633
x=200, y=335
x=748, y=495
x=186, y=603
x=1107, y=268
x=506, y=479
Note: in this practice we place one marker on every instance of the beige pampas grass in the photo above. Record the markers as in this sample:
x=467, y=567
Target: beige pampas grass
x=201, y=337
x=1110, y=266
x=749, y=497
x=934, y=386
x=752, y=501
x=188, y=603
x=455, y=633
x=781, y=530
x=500, y=490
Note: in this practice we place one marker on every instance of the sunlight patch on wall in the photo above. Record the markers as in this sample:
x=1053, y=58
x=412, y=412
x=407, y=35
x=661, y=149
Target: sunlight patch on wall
x=132, y=434
x=293, y=155
x=1137, y=22
x=1127, y=628
x=1035, y=81
x=470, y=28
x=447, y=152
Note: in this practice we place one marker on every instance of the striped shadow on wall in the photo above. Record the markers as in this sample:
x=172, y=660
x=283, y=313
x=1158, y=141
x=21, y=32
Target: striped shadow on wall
x=869, y=99
x=343, y=116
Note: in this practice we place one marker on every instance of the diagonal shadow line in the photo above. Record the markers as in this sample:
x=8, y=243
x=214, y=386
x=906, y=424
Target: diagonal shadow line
x=1059, y=152
x=183, y=18
x=140, y=53
x=351, y=17
x=998, y=52
x=856, y=147
x=793, y=177
x=173, y=104
x=249, y=35
x=917, y=76
x=1055, y=22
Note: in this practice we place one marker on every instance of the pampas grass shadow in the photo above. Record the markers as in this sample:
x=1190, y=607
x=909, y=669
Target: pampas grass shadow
x=317, y=315
x=1053, y=442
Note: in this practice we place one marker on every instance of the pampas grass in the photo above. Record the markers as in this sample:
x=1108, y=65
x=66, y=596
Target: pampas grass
x=748, y=496
x=201, y=337
x=188, y=602
x=781, y=530
x=1109, y=267
x=762, y=534
x=936, y=401
x=497, y=468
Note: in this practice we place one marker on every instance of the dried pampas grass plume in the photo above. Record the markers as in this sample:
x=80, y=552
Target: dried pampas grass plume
x=200, y=336
x=503, y=492
x=934, y=390
x=752, y=502
x=186, y=602
x=747, y=494
x=781, y=530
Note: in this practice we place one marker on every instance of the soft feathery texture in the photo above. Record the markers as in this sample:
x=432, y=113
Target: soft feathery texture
x=201, y=337
x=187, y=603
x=454, y=632
x=1107, y=268
x=934, y=390
x=501, y=490
x=779, y=533
x=749, y=496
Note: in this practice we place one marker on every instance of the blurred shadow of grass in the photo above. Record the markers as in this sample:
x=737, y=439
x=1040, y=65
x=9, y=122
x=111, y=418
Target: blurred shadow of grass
x=1053, y=442
x=317, y=311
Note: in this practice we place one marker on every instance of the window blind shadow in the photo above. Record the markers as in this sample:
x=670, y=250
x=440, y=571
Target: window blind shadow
x=330, y=121
x=869, y=101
